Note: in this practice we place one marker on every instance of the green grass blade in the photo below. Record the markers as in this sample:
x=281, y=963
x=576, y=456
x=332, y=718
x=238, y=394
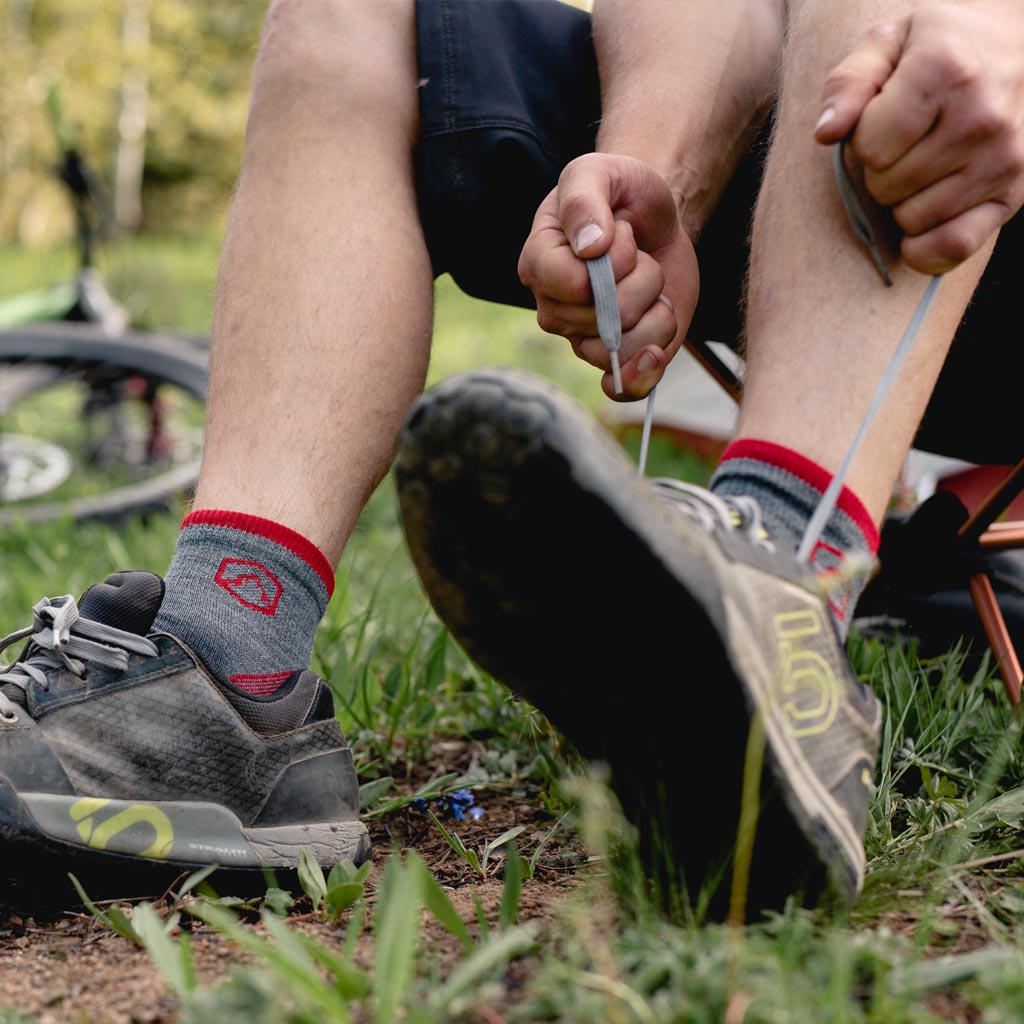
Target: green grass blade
x=396, y=933
x=291, y=964
x=115, y=919
x=512, y=889
x=441, y=907
x=173, y=959
x=311, y=877
x=489, y=959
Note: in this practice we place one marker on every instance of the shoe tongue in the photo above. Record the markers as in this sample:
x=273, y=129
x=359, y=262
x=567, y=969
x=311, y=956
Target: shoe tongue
x=124, y=600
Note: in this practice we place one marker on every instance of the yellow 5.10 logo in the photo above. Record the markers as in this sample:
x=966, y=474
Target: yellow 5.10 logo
x=808, y=689
x=99, y=835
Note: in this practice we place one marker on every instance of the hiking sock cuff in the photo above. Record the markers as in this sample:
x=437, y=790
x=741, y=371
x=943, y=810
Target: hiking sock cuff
x=786, y=460
x=788, y=488
x=266, y=529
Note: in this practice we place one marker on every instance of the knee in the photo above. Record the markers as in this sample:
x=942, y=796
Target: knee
x=819, y=35
x=325, y=56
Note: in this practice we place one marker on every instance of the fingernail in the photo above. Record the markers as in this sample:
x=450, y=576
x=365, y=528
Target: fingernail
x=588, y=234
x=826, y=115
x=646, y=363
x=667, y=301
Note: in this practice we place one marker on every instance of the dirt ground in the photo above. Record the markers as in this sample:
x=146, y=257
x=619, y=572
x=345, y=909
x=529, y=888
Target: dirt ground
x=61, y=966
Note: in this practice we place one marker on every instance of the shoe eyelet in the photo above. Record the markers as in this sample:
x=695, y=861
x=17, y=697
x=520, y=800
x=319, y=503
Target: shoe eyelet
x=9, y=719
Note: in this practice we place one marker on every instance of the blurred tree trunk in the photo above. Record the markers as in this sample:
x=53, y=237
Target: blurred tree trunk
x=131, y=125
x=17, y=18
x=15, y=37
x=16, y=135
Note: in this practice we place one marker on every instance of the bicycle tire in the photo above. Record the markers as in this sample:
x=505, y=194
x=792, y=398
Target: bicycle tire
x=76, y=348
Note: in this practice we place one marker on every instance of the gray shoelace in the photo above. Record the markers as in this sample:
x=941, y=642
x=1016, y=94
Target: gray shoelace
x=713, y=512
x=60, y=637
x=609, y=327
x=862, y=228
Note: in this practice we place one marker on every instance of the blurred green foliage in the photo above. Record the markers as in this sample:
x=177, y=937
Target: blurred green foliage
x=195, y=59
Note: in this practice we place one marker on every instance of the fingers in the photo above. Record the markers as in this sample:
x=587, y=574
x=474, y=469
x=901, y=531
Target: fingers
x=560, y=279
x=951, y=243
x=944, y=201
x=612, y=204
x=641, y=373
x=636, y=290
x=855, y=81
x=901, y=115
x=926, y=164
x=655, y=329
x=647, y=314
x=931, y=106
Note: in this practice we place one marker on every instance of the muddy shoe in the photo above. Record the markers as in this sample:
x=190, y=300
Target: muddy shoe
x=655, y=627
x=120, y=754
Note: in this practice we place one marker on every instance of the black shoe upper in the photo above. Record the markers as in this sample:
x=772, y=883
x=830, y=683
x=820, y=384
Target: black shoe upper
x=152, y=724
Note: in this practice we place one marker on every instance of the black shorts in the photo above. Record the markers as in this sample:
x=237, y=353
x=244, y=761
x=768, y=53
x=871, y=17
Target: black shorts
x=509, y=95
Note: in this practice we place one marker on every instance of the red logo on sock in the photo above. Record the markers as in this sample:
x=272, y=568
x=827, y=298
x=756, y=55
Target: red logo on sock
x=251, y=584
x=828, y=563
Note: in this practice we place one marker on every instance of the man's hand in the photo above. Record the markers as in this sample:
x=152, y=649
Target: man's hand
x=614, y=204
x=935, y=102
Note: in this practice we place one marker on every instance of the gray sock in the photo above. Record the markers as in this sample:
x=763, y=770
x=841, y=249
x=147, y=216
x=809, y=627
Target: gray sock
x=246, y=594
x=788, y=487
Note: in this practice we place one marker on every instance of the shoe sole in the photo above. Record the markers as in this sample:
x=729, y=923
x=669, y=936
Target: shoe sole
x=542, y=551
x=110, y=841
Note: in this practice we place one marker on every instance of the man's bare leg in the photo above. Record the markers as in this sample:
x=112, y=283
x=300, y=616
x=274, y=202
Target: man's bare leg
x=323, y=315
x=321, y=337
x=821, y=324
x=320, y=343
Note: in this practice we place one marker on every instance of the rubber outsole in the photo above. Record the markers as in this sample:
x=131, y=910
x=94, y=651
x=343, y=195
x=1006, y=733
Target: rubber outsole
x=142, y=852
x=540, y=548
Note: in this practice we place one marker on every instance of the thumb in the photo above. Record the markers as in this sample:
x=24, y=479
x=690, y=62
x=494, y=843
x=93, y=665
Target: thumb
x=584, y=207
x=596, y=189
x=855, y=81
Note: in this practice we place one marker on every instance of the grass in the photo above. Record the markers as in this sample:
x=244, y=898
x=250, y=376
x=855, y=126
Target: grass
x=937, y=934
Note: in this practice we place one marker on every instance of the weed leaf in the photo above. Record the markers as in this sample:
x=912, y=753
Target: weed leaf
x=339, y=898
x=311, y=877
x=372, y=791
x=173, y=959
x=512, y=890
x=491, y=958
x=115, y=919
x=396, y=931
x=441, y=907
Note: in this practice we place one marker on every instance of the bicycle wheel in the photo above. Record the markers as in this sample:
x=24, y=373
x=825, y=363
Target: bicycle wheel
x=97, y=427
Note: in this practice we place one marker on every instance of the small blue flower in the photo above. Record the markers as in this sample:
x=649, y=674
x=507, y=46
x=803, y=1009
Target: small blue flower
x=419, y=805
x=457, y=802
x=476, y=813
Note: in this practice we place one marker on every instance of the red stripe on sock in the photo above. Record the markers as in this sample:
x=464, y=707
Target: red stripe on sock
x=811, y=473
x=269, y=530
x=259, y=686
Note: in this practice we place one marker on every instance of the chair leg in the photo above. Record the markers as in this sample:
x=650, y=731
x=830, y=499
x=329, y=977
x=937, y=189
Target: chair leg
x=1003, y=537
x=982, y=530
x=998, y=635
x=720, y=373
